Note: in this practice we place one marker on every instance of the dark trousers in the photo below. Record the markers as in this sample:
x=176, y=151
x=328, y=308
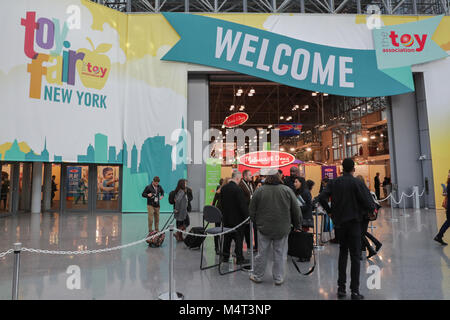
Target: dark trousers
x=365, y=244
x=217, y=239
x=349, y=235
x=247, y=236
x=238, y=237
x=377, y=192
x=445, y=226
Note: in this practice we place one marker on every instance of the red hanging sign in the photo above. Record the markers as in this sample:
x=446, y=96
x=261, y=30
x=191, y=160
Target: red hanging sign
x=236, y=119
x=266, y=159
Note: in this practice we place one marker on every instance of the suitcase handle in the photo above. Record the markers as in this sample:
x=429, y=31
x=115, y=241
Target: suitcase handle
x=310, y=270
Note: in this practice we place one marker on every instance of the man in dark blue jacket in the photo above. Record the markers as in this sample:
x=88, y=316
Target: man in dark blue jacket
x=348, y=205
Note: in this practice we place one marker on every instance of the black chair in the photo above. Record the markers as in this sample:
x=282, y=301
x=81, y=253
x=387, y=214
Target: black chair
x=212, y=214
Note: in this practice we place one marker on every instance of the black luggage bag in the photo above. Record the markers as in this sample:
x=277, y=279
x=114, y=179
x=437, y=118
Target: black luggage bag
x=194, y=242
x=301, y=246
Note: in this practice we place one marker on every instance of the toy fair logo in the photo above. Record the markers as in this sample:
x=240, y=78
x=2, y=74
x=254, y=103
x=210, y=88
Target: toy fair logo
x=61, y=61
x=405, y=43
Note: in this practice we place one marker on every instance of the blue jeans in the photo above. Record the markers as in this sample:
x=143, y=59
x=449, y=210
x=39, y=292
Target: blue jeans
x=445, y=226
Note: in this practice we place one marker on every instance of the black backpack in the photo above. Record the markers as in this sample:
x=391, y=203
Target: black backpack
x=301, y=246
x=194, y=242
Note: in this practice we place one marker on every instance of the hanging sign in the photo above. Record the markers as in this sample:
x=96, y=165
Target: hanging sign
x=290, y=129
x=235, y=120
x=296, y=63
x=266, y=159
x=406, y=44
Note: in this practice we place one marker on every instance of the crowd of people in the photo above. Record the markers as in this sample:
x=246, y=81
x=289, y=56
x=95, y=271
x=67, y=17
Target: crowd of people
x=279, y=205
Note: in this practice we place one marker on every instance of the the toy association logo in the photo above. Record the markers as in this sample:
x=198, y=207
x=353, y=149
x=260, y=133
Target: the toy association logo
x=92, y=66
x=405, y=43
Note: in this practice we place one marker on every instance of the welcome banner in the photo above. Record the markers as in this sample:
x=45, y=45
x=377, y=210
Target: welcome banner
x=267, y=55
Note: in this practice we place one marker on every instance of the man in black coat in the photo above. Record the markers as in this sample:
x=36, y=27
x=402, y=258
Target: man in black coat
x=235, y=211
x=377, y=185
x=248, y=188
x=349, y=204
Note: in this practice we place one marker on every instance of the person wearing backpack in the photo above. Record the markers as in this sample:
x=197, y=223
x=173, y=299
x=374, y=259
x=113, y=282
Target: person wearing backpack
x=180, y=200
x=154, y=193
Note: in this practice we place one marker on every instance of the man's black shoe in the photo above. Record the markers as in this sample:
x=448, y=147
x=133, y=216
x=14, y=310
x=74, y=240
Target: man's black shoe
x=341, y=293
x=440, y=241
x=357, y=296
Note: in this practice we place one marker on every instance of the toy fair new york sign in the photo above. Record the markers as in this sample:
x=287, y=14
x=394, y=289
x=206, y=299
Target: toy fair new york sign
x=48, y=36
x=360, y=73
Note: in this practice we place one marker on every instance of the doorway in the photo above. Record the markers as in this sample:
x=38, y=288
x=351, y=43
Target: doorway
x=89, y=187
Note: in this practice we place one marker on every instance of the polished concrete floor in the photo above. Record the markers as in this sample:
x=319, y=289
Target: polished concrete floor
x=412, y=265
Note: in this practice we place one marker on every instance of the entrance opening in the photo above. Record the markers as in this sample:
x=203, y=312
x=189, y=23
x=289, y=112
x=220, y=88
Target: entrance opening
x=318, y=129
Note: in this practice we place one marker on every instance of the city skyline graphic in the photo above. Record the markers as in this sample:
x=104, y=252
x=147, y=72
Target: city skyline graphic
x=155, y=160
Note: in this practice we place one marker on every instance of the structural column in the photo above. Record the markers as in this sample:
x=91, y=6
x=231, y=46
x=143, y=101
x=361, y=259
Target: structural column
x=197, y=123
x=36, y=188
x=47, y=196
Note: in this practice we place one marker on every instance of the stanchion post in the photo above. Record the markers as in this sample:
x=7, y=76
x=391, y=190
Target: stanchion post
x=15, y=284
x=405, y=215
x=171, y=257
x=317, y=247
x=392, y=218
x=251, y=246
x=171, y=295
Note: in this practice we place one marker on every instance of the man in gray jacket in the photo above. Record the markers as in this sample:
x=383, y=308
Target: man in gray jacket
x=273, y=208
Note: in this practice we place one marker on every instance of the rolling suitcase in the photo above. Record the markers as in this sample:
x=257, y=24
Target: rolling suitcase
x=157, y=241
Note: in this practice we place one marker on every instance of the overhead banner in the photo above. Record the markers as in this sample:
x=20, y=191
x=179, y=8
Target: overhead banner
x=267, y=55
x=407, y=44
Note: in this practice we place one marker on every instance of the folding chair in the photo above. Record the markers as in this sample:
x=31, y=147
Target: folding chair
x=212, y=214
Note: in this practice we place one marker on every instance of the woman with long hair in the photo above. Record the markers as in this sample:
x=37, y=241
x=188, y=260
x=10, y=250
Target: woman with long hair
x=446, y=223
x=366, y=235
x=180, y=208
x=305, y=201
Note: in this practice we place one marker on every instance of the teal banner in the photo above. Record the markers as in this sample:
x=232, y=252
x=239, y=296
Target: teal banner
x=236, y=47
x=407, y=44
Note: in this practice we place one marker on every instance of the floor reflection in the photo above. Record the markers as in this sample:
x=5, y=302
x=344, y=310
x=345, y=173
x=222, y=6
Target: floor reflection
x=412, y=265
